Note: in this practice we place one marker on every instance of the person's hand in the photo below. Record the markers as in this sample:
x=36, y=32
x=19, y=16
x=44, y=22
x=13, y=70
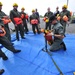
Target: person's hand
x=50, y=34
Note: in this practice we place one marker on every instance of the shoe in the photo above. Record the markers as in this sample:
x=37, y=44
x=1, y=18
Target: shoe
x=1, y=71
x=5, y=58
x=64, y=46
x=17, y=51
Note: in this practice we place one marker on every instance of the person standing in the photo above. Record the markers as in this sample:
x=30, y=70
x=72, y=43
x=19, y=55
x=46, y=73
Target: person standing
x=4, y=17
x=37, y=13
x=65, y=16
x=17, y=21
x=56, y=13
x=34, y=22
x=48, y=14
x=24, y=17
x=6, y=43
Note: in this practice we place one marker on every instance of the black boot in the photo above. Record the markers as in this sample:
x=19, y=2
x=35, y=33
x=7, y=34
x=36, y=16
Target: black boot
x=4, y=57
x=16, y=51
x=1, y=71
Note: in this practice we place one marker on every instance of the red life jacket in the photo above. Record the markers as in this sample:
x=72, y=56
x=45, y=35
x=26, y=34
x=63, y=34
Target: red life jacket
x=26, y=16
x=34, y=21
x=48, y=38
x=18, y=20
x=6, y=21
x=4, y=32
x=22, y=16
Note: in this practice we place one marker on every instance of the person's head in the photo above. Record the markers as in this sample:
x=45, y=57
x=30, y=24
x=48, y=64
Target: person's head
x=57, y=8
x=15, y=5
x=53, y=19
x=1, y=5
x=48, y=9
x=22, y=9
x=64, y=7
x=33, y=11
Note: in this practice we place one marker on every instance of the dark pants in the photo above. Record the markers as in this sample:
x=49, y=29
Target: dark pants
x=2, y=53
x=64, y=25
x=35, y=27
x=6, y=43
x=8, y=35
x=25, y=26
x=48, y=26
x=21, y=29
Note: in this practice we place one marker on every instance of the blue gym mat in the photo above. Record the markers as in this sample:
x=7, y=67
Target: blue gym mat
x=33, y=61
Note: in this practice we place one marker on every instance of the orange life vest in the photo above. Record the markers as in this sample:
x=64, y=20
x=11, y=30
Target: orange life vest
x=6, y=21
x=4, y=32
x=18, y=20
x=34, y=21
x=65, y=18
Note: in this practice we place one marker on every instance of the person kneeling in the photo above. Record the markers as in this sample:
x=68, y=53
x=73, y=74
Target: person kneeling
x=58, y=34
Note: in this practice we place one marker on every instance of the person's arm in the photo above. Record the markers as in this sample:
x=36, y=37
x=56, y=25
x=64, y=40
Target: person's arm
x=11, y=17
x=60, y=33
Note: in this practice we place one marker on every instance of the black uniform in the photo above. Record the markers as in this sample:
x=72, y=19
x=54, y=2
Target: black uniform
x=24, y=22
x=8, y=35
x=7, y=44
x=34, y=16
x=14, y=14
x=48, y=24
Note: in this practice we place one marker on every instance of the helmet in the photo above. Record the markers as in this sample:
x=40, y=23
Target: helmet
x=33, y=10
x=15, y=4
x=1, y=4
x=22, y=8
x=65, y=6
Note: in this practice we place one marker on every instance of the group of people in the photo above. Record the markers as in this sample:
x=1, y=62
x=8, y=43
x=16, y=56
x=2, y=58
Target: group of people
x=19, y=19
x=57, y=23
